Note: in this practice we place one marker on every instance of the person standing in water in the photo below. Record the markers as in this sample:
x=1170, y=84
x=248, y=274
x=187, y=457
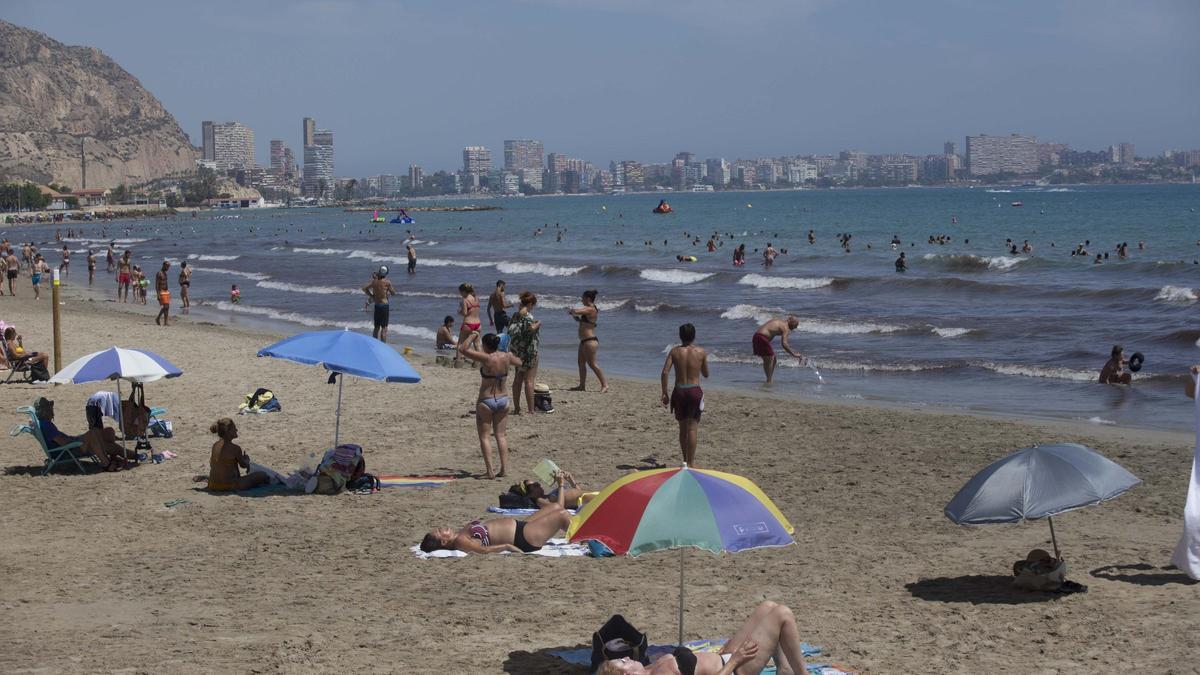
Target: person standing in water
x=163, y=292
x=185, y=282
x=761, y=343
x=589, y=344
x=378, y=289
x=412, y=258
x=91, y=265
x=124, y=277
x=497, y=308
x=686, y=400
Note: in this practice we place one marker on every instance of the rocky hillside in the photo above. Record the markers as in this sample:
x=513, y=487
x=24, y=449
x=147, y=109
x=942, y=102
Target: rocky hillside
x=53, y=96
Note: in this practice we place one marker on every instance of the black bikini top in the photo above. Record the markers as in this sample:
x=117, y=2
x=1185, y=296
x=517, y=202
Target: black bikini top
x=686, y=660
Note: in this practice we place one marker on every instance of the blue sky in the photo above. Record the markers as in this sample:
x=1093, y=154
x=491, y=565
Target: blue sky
x=413, y=82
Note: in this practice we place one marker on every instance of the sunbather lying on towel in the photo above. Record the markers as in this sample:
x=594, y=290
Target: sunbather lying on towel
x=770, y=632
x=501, y=534
x=223, y=472
x=573, y=496
x=99, y=442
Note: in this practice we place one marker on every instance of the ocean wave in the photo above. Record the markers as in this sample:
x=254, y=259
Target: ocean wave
x=658, y=307
x=257, y=276
x=1050, y=372
x=996, y=190
x=315, y=322
x=320, y=251
x=1179, y=294
x=675, y=276
x=973, y=263
x=759, y=314
x=951, y=332
x=537, y=268
x=429, y=294
x=105, y=242
x=430, y=262
x=302, y=288
x=818, y=326
x=1099, y=420
x=821, y=364
x=566, y=302
x=201, y=256
x=795, y=283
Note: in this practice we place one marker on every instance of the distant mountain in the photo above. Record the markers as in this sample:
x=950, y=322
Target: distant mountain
x=53, y=96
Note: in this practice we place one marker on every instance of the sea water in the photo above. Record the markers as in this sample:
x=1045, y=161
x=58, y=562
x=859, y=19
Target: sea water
x=970, y=326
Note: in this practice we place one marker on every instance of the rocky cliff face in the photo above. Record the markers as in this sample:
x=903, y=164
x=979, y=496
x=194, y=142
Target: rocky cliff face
x=53, y=97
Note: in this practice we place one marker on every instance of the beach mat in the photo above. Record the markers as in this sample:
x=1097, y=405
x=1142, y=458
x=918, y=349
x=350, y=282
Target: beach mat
x=555, y=548
x=518, y=512
x=582, y=656
x=393, y=480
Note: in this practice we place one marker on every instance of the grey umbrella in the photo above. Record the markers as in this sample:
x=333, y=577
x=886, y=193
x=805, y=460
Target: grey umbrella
x=1039, y=482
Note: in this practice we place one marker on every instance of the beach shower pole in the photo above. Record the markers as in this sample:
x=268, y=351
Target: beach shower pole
x=681, y=596
x=1053, y=538
x=337, y=423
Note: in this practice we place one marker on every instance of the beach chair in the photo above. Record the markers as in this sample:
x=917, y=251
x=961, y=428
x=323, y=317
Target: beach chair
x=71, y=453
x=19, y=370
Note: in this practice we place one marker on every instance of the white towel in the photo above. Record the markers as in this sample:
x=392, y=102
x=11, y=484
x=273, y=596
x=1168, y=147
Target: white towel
x=1187, y=552
x=555, y=548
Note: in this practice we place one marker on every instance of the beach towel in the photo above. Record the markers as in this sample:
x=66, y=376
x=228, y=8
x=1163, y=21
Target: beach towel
x=518, y=512
x=392, y=480
x=1187, y=552
x=583, y=656
x=555, y=548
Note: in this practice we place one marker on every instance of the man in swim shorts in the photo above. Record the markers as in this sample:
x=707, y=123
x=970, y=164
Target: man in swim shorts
x=378, y=289
x=14, y=269
x=124, y=277
x=163, y=292
x=761, y=342
x=686, y=400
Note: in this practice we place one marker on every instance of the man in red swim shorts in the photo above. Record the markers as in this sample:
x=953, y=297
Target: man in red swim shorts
x=761, y=342
x=687, y=398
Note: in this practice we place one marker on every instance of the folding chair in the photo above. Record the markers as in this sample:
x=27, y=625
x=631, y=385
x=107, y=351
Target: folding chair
x=19, y=370
x=71, y=453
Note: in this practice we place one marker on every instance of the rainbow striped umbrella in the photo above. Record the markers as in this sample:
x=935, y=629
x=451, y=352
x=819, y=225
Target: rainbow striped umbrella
x=677, y=508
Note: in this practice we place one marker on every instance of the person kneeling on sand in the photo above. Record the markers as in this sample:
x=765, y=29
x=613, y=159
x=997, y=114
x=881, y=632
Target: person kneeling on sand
x=223, y=473
x=502, y=534
x=770, y=632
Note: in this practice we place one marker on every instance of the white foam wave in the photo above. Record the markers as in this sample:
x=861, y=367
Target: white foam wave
x=429, y=294
x=797, y=283
x=787, y=362
x=998, y=190
x=759, y=314
x=201, y=256
x=999, y=262
x=675, y=276
x=1177, y=294
x=320, y=251
x=1100, y=420
x=304, y=319
x=92, y=240
x=951, y=332
x=433, y=262
x=536, y=268
x=566, y=302
x=302, y=288
x=257, y=276
x=1050, y=372
x=821, y=327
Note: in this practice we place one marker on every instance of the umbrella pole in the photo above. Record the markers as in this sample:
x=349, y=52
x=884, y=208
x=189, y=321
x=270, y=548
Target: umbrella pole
x=337, y=424
x=681, y=596
x=1053, y=538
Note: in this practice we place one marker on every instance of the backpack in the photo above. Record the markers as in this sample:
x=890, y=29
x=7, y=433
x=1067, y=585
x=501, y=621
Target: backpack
x=38, y=372
x=616, y=639
x=367, y=483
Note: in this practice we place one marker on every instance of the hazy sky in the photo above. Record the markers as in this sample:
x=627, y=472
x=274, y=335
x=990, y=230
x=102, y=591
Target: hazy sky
x=413, y=82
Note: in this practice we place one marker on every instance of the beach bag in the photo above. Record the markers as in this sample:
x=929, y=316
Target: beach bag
x=511, y=500
x=367, y=483
x=135, y=416
x=541, y=398
x=161, y=428
x=263, y=400
x=38, y=372
x=618, y=639
x=343, y=464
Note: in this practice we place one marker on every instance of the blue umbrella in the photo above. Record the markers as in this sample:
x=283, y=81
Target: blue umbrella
x=342, y=352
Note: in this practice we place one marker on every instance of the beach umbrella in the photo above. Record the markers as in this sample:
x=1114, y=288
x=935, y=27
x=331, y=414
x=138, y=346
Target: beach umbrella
x=679, y=508
x=117, y=363
x=1039, y=482
x=343, y=352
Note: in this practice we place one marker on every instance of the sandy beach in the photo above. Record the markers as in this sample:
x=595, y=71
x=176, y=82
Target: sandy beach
x=103, y=576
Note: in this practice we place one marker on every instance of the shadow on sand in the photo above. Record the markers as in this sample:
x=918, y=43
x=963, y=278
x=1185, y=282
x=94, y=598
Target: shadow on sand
x=541, y=662
x=1149, y=574
x=977, y=589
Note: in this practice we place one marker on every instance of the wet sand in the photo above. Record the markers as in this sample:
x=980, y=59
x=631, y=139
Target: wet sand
x=102, y=576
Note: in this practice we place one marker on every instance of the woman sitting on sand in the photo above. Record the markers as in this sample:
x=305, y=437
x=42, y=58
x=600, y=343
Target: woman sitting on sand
x=502, y=534
x=227, y=456
x=491, y=407
x=770, y=632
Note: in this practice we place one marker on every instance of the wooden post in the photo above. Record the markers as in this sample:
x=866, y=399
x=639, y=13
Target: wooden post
x=57, y=324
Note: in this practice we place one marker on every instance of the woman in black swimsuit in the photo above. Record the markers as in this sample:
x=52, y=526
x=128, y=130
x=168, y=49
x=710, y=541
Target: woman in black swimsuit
x=589, y=344
x=770, y=632
x=185, y=283
x=502, y=534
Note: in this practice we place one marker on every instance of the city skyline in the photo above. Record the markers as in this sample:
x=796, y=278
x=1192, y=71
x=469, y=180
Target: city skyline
x=643, y=81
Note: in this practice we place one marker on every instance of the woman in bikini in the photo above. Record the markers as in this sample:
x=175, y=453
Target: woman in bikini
x=223, y=472
x=491, y=408
x=589, y=344
x=770, y=632
x=185, y=280
x=501, y=534
x=468, y=309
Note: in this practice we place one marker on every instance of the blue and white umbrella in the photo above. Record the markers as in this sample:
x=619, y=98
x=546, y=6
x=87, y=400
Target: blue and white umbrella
x=117, y=363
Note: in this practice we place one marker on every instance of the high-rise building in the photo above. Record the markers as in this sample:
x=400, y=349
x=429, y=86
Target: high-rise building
x=209, y=141
x=556, y=162
x=416, y=177
x=532, y=178
x=856, y=158
x=631, y=173
x=477, y=160
x=718, y=171
x=950, y=148
x=995, y=154
x=289, y=163
x=1122, y=153
x=233, y=146
x=310, y=128
x=281, y=156
x=318, y=161
x=523, y=154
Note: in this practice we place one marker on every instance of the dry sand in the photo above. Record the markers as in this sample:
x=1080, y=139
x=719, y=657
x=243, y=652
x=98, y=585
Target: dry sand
x=101, y=576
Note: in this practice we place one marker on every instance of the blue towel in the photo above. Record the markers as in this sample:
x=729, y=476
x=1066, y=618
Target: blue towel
x=518, y=512
x=583, y=655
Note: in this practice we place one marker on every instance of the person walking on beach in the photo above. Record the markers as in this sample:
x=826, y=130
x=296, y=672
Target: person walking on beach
x=378, y=289
x=64, y=267
x=124, y=277
x=523, y=339
x=686, y=400
x=163, y=292
x=497, y=308
x=761, y=342
x=185, y=282
x=589, y=344
x=12, y=271
x=40, y=268
x=412, y=258
x=110, y=257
